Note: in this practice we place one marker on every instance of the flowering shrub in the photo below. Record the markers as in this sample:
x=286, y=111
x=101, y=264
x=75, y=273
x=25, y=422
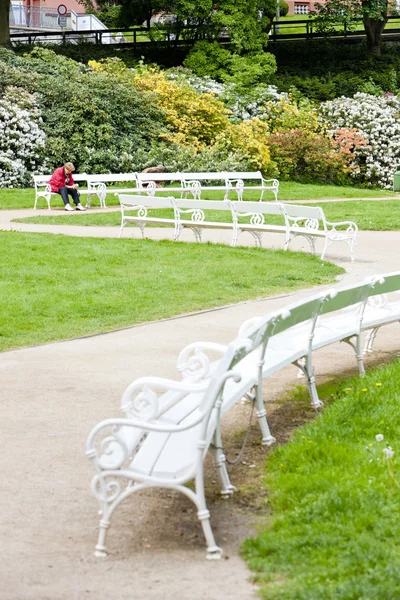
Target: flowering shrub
x=377, y=120
x=243, y=104
x=286, y=114
x=22, y=139
x=308, y=157
x=250, y=140
x=348, y=141
x=191, y=118
x=177, y=158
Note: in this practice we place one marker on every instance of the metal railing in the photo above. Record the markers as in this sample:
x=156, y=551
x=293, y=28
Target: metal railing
x=40, y=17
x=140, y=36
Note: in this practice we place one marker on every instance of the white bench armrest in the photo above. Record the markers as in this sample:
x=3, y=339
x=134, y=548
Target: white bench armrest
x=351, y=224
x=193, y=362
x=274, y=182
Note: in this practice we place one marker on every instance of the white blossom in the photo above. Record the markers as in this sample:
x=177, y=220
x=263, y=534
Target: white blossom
x=21, y=138
x=377, y=119
x=388, y=452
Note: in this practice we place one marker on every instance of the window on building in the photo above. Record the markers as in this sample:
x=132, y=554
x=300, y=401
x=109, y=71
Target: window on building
x=301, y=9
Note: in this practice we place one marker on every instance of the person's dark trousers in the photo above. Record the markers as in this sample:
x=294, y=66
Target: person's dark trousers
x=64, y=191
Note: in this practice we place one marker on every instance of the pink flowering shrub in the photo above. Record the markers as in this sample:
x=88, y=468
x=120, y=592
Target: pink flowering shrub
x=308, y=157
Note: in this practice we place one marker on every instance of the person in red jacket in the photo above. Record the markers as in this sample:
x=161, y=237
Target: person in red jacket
x=63, y=183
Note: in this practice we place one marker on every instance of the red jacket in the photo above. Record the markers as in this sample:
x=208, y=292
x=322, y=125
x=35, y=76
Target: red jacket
x=59, y=179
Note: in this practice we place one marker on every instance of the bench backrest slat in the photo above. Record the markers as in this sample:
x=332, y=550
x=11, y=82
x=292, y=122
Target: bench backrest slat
x=44, y=179
x=221, y=176
x=295, y=211
x=147, y=177
x=389, y=283
x=131, y=201
x=111, y=177
x=347, y=297
x=244, y=175
x=182, y=203
x=254, y=208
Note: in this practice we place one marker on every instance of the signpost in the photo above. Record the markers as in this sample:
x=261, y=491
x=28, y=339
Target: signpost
x=62, y=19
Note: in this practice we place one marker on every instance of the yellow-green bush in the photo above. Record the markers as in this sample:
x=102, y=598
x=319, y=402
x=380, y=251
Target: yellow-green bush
x=195, y=119
x=287, y=115
x=191, y=118
x=250, y=139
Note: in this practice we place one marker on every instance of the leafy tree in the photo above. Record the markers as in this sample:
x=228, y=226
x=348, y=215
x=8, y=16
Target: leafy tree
x=268, y=9
x=374, y=14
x=247, y=70
x=5, y=23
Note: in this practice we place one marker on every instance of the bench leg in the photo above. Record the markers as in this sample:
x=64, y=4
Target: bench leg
x=214, y=552
x=220, y=462
x=306, y=366
x=177, y=232
x=101, y=550
x=327, y=244
x=197, y=233
x=355, y=343
x=369, y=340
x=352, y=246
x=267, y=438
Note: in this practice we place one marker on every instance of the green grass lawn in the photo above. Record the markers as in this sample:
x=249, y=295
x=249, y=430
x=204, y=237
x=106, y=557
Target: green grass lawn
x=335, y=501
x=288, y=190
x=58, y=287
x=380, y=215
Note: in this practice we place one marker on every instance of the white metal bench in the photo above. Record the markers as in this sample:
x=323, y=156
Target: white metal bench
x=135, y=209
x=169, y=426
x=198, y=183
x=310, y=222
x=251, y=217
x=306, y=221
x=151, y=182
x=97, y=185
x=309, y=325
x=229, y=182
x=167, y=429
x=382, y=308
x=197, y=221
x=43, y=189
x=238, y=182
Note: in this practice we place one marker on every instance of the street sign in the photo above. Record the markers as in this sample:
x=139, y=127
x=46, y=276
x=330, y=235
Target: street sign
x=62, y=10
x=62, y=21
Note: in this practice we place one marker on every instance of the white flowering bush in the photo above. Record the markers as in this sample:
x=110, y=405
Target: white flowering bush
x=22, y=139
x=377, y=120
x=243, y=106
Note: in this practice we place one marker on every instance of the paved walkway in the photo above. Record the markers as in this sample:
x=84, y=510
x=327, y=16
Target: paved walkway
x=53, y=395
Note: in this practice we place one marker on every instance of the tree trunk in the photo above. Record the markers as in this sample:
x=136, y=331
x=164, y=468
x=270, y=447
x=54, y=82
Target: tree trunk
x=373, y=29
x=5, y=23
